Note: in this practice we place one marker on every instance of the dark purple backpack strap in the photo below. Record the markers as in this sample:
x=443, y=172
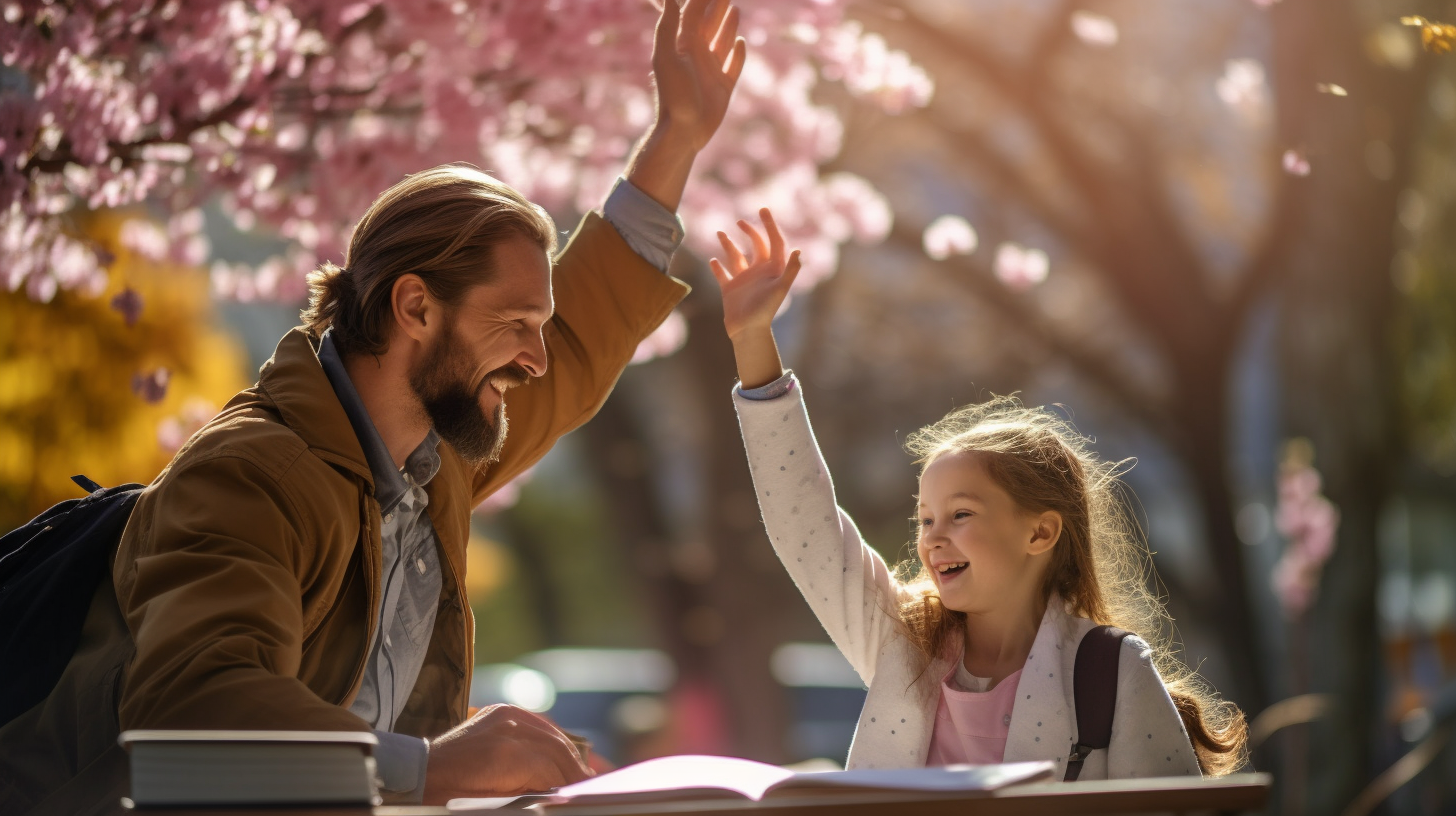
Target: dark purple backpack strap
x=1094, y=689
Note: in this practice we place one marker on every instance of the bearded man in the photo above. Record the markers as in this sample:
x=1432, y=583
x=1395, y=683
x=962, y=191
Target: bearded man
x=300, y=565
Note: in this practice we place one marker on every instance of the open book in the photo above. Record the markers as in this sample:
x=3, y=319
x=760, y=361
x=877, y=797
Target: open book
x=680, y=778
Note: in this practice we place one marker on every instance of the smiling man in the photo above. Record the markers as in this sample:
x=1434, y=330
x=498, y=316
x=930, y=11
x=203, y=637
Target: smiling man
x=300, y=565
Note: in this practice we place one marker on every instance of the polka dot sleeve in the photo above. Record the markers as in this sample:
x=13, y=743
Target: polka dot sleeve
x=844, y=580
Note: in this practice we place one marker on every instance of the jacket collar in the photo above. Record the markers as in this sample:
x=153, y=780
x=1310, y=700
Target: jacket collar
x=389, y=480
x=1044, y=718
x=294, y=380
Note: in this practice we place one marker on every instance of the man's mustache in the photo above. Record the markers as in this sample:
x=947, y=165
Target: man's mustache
x=506, y=377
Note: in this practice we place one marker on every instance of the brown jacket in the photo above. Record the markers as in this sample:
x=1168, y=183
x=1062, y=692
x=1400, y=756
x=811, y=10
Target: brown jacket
x=248, y=577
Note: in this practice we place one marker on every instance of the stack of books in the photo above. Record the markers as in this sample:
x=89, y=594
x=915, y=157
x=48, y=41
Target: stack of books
x=172, y=769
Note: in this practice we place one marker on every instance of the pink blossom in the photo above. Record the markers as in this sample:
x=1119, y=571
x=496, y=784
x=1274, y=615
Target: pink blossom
x=949, y=235
x=504, y=497
x=1244, y=87
x=298, y=114
x=174, y=431
x=1020, y=268
x=1309, y=523
x=665, y=340
x=1094, y=29
x=1295, y=163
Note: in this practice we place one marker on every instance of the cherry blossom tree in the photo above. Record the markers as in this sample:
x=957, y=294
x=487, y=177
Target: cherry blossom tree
x=296, y=115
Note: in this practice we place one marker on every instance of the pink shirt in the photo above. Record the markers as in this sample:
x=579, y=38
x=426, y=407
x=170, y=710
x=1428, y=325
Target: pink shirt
x=971, y=726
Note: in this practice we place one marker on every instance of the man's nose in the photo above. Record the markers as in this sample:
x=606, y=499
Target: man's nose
x=533, y=357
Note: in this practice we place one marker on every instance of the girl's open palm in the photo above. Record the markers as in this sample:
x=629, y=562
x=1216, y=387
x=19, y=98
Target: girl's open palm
x=754, y=284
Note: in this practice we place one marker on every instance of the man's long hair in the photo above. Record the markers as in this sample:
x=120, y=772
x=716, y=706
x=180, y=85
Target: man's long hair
x=441, y=225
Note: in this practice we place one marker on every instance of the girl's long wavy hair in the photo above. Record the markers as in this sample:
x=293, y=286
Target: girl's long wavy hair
x=1100, y=567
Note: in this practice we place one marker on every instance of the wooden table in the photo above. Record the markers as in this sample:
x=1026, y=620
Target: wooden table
x=1238, y=793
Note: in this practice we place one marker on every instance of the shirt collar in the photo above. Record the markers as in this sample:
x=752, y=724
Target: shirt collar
x=389, y=483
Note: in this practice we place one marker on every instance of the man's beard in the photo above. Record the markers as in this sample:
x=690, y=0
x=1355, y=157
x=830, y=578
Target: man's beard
x=452, y=402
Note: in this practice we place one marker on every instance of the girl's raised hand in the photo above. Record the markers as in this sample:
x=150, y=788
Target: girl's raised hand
x=754, y=284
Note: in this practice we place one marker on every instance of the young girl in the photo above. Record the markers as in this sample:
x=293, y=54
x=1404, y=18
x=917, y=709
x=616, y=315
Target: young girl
x=1023, y=548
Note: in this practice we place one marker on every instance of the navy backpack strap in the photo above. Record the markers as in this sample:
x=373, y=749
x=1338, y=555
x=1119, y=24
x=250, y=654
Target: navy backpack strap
x=49, y=571
x=1094, y=690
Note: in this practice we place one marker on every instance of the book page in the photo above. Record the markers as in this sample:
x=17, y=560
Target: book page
x=731, y=775
x=946, y=778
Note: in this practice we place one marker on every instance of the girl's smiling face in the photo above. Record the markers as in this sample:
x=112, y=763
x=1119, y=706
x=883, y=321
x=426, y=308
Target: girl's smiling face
x=982, y=550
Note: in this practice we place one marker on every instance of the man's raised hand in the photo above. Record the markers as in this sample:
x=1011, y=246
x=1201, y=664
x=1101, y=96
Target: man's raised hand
x=697, y=56
x=754, y=285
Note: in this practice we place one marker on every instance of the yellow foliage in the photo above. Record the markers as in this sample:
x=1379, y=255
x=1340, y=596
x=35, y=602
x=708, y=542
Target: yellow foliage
x=487, y=566
x=66, y=368
x=1438, y=38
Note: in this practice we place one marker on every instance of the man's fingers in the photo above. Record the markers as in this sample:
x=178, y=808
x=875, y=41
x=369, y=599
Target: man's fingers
x=568, y=762
x=665, y=39
x=736, y=60
x=727, y=36
x=735, y=257
x=719, y=272
x=717, y=11
x=693, y=12
x=760, y=246
x=775, y=238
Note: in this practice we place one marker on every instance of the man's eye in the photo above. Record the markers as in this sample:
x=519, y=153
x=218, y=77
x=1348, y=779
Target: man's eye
x=963, y=514
x=925, y=522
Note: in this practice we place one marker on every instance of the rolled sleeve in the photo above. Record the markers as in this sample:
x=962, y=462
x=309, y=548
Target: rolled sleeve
x=773, y=390
x=401, y=761
x=650, y=229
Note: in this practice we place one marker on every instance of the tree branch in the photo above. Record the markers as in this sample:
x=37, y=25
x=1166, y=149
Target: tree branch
x=978, y=282
x=1151, y=263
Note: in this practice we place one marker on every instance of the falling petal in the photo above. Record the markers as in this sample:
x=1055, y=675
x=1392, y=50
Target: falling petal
x=151, y=386
x=1331, y=88
x=129, y=303
x=949, y=235
x=1296, y=163
x=1094, y=29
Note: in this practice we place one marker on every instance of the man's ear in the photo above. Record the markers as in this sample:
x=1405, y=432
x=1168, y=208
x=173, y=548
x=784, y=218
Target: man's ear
x=1045, y=533
x=415, y=312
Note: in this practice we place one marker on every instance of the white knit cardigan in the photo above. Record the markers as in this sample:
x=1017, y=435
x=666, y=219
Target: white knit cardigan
x=857, y=600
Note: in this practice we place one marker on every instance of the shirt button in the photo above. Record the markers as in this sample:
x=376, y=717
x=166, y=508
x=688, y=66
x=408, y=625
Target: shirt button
x=1006, y=720
x=420, y=565
x=388, y=517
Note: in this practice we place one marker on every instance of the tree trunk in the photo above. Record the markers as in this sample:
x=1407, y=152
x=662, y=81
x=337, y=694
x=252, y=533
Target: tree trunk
x=721, y=600
x=1204, y=419
x=1336, y=355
